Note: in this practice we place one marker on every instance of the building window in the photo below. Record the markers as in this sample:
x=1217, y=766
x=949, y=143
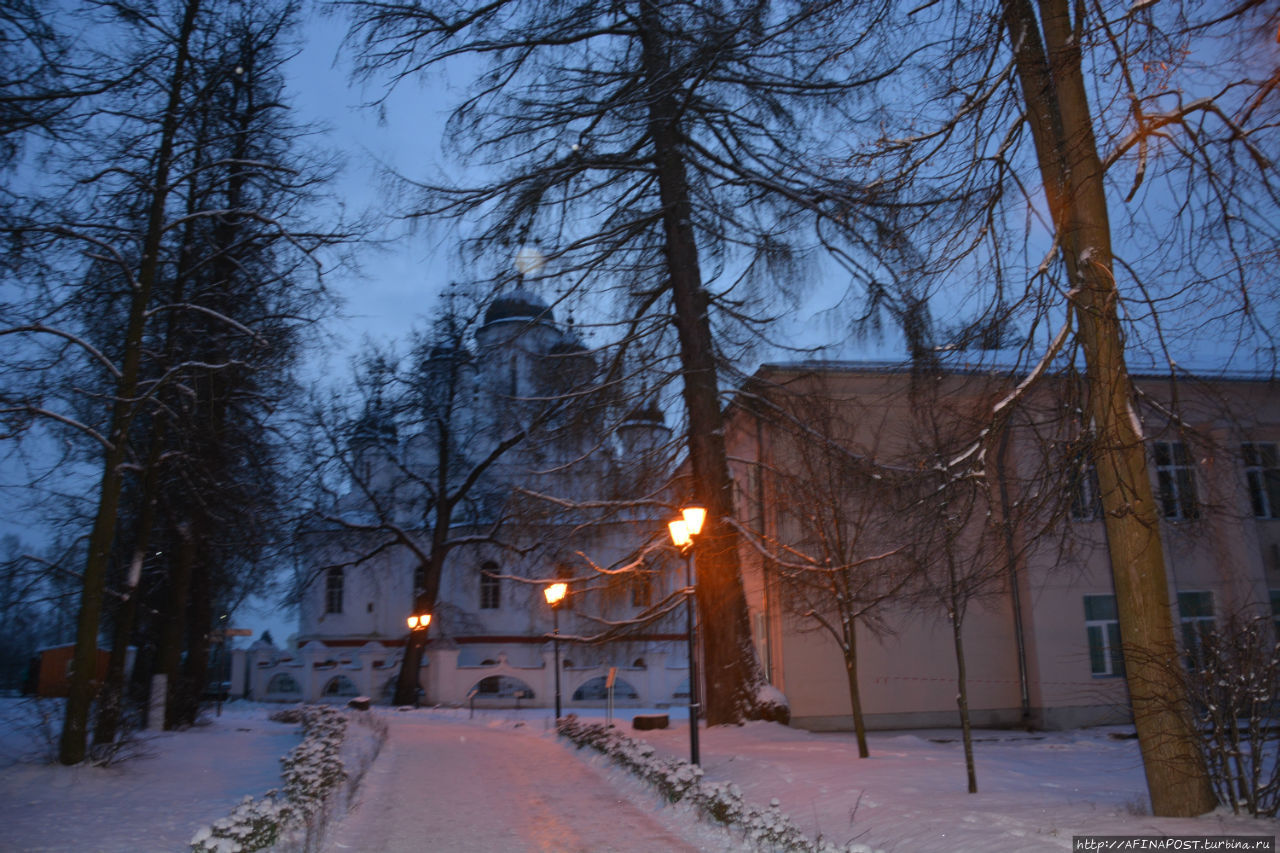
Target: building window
x=1176, y=480
x=503, y=687
x=340, y=687
x=1082, y=486
x=1263, y=473
x=641, y=588
x=333, y=591
x=283, y=683
x=747, y=497
x=1195, y=612
x=490, y=587
x=594, y=690
x=1103, y=630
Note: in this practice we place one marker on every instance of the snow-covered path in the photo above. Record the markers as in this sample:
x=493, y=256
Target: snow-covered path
x=456, y=787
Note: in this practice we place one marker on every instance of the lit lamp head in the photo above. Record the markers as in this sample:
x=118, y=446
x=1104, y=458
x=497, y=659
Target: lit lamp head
x=419, y=621
x=693, y=517
x=687, y=526
x=555, y=593
x=680, y=533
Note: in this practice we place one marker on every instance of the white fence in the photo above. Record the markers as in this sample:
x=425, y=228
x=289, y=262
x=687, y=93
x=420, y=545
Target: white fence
x=317, y=673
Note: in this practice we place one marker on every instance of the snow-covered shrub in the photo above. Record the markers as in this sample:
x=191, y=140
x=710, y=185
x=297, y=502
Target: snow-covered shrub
x=313, y=768
x=296, y=714
x=312, y=772
x=128, y=743
x=772, y=705
x=766, y=829
x=252, y=825
x=1234, y=685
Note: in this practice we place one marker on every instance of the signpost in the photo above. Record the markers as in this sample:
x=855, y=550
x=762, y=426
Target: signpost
x=218, y=638
x=608, y=683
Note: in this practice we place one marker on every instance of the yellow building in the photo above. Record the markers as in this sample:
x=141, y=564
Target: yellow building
x=902, y=487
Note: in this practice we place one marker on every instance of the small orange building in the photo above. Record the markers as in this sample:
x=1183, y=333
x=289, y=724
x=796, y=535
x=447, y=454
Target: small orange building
x=55, y=662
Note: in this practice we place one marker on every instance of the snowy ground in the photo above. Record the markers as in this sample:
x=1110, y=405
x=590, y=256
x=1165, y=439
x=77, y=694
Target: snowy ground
x=503, y=782
x=909, y=796
x=178, y=782
x=450, y=785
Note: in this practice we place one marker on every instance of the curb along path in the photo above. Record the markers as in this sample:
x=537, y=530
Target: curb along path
x=454, y=787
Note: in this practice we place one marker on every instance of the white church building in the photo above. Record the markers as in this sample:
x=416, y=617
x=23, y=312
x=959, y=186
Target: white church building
x=490, y=639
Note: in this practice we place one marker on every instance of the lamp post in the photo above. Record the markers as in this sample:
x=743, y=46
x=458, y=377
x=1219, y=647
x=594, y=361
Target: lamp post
x=418, y=623
x=683, y=529
x=555, y=594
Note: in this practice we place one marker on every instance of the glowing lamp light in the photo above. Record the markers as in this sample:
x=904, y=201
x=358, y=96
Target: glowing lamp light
x=419, y=621
x=679, y=533
x=555, y=593
x=683, y=529
x=693, y=517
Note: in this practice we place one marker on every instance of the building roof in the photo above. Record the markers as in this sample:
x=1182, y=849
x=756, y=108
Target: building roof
x=995, y=369
x=518, y=304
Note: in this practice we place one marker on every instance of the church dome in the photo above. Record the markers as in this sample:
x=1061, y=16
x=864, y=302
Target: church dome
x=518, y=304
x=448, y=352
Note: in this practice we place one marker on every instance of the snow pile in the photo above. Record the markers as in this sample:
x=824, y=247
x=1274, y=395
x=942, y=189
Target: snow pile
x=312, y=772
x=764, y=829
x=772, y=704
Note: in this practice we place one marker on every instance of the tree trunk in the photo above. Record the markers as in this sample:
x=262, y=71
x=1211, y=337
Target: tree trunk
x=424, y=599
x=71, y=747
x=199, y=621
x=855, y=693
x=407, y=681
x=113, y=697
x=962, y=699
x=731, y=672
x=1058, y=113
x=173, y=621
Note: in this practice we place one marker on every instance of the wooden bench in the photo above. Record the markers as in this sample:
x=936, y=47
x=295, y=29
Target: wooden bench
x=644, y=722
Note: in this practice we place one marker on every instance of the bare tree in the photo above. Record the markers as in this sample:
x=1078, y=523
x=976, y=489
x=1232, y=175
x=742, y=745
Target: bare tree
x=828, y=547
x=32, y=595
x=659, y=153
x=161, y=270
x=1049, y=167
x=1232, y=678
x=44, y=79
x=427, y=466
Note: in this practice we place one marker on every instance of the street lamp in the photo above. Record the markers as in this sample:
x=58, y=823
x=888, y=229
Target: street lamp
x=555, y=594
x=683, y=529
x=418, y=623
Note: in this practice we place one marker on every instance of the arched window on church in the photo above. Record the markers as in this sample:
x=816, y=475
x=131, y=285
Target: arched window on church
x=490, y=586
x=333, y=591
